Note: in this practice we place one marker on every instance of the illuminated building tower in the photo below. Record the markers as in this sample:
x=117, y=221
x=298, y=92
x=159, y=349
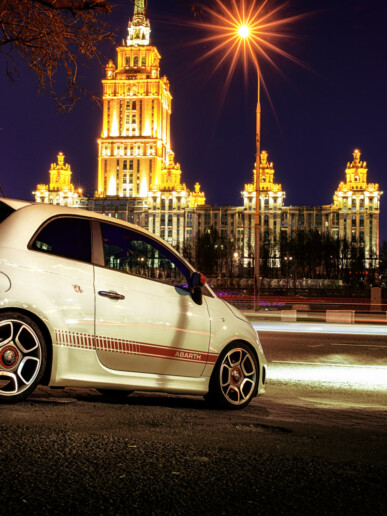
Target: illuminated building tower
x=271, y=201
x=60, y=190
x=135, y=141
x=135, y=159
x=358, y=204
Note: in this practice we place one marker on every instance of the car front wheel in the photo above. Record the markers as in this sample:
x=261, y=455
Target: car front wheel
x=234, y=380
x=23, y=356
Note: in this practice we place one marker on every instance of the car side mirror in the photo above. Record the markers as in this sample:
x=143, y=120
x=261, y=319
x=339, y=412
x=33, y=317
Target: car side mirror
x=197, y=281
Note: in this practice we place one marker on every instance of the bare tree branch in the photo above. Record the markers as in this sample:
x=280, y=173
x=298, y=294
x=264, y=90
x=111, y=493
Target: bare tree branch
x=53, y=37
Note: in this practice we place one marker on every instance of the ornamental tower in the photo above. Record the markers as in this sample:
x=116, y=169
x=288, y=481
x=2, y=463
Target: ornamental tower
x=271, y=203
x=60, y=190
x=135, y=143
x=358, y=204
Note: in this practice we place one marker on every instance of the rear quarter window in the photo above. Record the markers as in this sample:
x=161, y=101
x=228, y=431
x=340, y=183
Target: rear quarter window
x=67, y=237
x=5, y=211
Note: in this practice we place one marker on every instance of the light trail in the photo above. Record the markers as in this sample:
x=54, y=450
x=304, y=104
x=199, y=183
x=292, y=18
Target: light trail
x=359, y=345
x=340, y=375
x=328, y=328
x=336, y=376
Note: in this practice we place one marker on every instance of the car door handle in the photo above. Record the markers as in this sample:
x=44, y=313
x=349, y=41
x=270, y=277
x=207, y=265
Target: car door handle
x=111, y=294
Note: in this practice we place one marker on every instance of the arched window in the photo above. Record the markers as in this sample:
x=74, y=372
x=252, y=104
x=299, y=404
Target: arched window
x=135, y=61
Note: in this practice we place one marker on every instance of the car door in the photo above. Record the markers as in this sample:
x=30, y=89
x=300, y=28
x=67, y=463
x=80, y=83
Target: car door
x=146, y=320
x=62, y=283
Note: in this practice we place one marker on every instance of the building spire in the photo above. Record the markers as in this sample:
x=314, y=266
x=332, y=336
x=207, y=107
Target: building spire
x=140, y=8
x=139, y=26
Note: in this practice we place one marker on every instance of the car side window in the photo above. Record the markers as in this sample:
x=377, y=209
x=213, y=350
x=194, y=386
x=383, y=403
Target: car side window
x=5, y=211
x=135, y=253
x=69, y=237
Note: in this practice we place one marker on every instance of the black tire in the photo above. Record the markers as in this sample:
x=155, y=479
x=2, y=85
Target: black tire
x=234, y=380
x=116, y=394
x=23, y=356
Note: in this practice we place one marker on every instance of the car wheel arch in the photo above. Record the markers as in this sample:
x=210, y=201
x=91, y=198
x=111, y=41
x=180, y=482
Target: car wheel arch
x=237, y=342
x=46, y=334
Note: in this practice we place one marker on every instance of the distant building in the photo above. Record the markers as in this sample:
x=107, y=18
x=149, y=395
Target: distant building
x=60, y=190
x=139, y=181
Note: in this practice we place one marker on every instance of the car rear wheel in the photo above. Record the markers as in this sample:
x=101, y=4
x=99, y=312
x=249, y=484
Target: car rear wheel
x=23, y=356
x=234, y=380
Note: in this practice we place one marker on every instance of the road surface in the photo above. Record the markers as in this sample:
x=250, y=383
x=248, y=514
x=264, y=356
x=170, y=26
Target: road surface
x=306, y=447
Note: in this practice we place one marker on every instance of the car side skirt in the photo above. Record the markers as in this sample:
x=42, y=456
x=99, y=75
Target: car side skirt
x=81, y=368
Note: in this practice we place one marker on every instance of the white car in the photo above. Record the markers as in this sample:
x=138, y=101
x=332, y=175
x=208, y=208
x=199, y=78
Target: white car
x=88, y=301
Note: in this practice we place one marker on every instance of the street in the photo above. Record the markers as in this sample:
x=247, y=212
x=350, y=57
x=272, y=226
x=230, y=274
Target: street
x=305, y=447
x=343, y=357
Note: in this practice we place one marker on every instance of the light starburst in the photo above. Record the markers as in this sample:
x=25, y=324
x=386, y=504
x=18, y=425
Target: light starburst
x=249, y=32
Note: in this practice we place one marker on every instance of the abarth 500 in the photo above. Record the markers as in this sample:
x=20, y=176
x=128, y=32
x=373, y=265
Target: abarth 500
x=90, y=301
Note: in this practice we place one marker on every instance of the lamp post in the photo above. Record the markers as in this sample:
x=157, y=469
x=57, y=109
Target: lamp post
x=257, y=233
x=248, y=30
x=287, y=260
x=244, y=33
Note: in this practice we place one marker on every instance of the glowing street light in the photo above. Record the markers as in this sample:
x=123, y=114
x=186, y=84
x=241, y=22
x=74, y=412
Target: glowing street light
x=248, y=32
x=245, y=32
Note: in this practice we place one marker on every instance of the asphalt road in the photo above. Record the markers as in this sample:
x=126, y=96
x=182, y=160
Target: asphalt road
x=306, y=447
x=338, y=356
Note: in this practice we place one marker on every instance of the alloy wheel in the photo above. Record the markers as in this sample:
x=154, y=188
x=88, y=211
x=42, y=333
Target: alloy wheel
x=238, y=376
x=22, y=357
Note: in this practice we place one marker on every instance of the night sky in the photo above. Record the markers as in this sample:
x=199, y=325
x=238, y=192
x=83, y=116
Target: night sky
x=323, y=111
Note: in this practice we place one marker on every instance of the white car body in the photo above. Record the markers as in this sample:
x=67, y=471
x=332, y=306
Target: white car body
x=152, y=337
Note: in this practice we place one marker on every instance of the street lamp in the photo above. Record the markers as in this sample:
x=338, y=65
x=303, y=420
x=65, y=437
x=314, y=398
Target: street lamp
x=244, y=33
x=248, y=30
x=287, y=260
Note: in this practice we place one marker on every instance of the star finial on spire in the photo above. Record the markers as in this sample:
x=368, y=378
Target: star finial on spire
x=139, y=27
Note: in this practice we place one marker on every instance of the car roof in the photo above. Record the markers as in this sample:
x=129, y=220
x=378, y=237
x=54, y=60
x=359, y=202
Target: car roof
x=15, y=203
x=17, y=229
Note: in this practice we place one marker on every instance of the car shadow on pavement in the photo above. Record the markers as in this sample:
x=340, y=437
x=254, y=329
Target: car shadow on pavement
x=153, y=400
x=138, y=398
